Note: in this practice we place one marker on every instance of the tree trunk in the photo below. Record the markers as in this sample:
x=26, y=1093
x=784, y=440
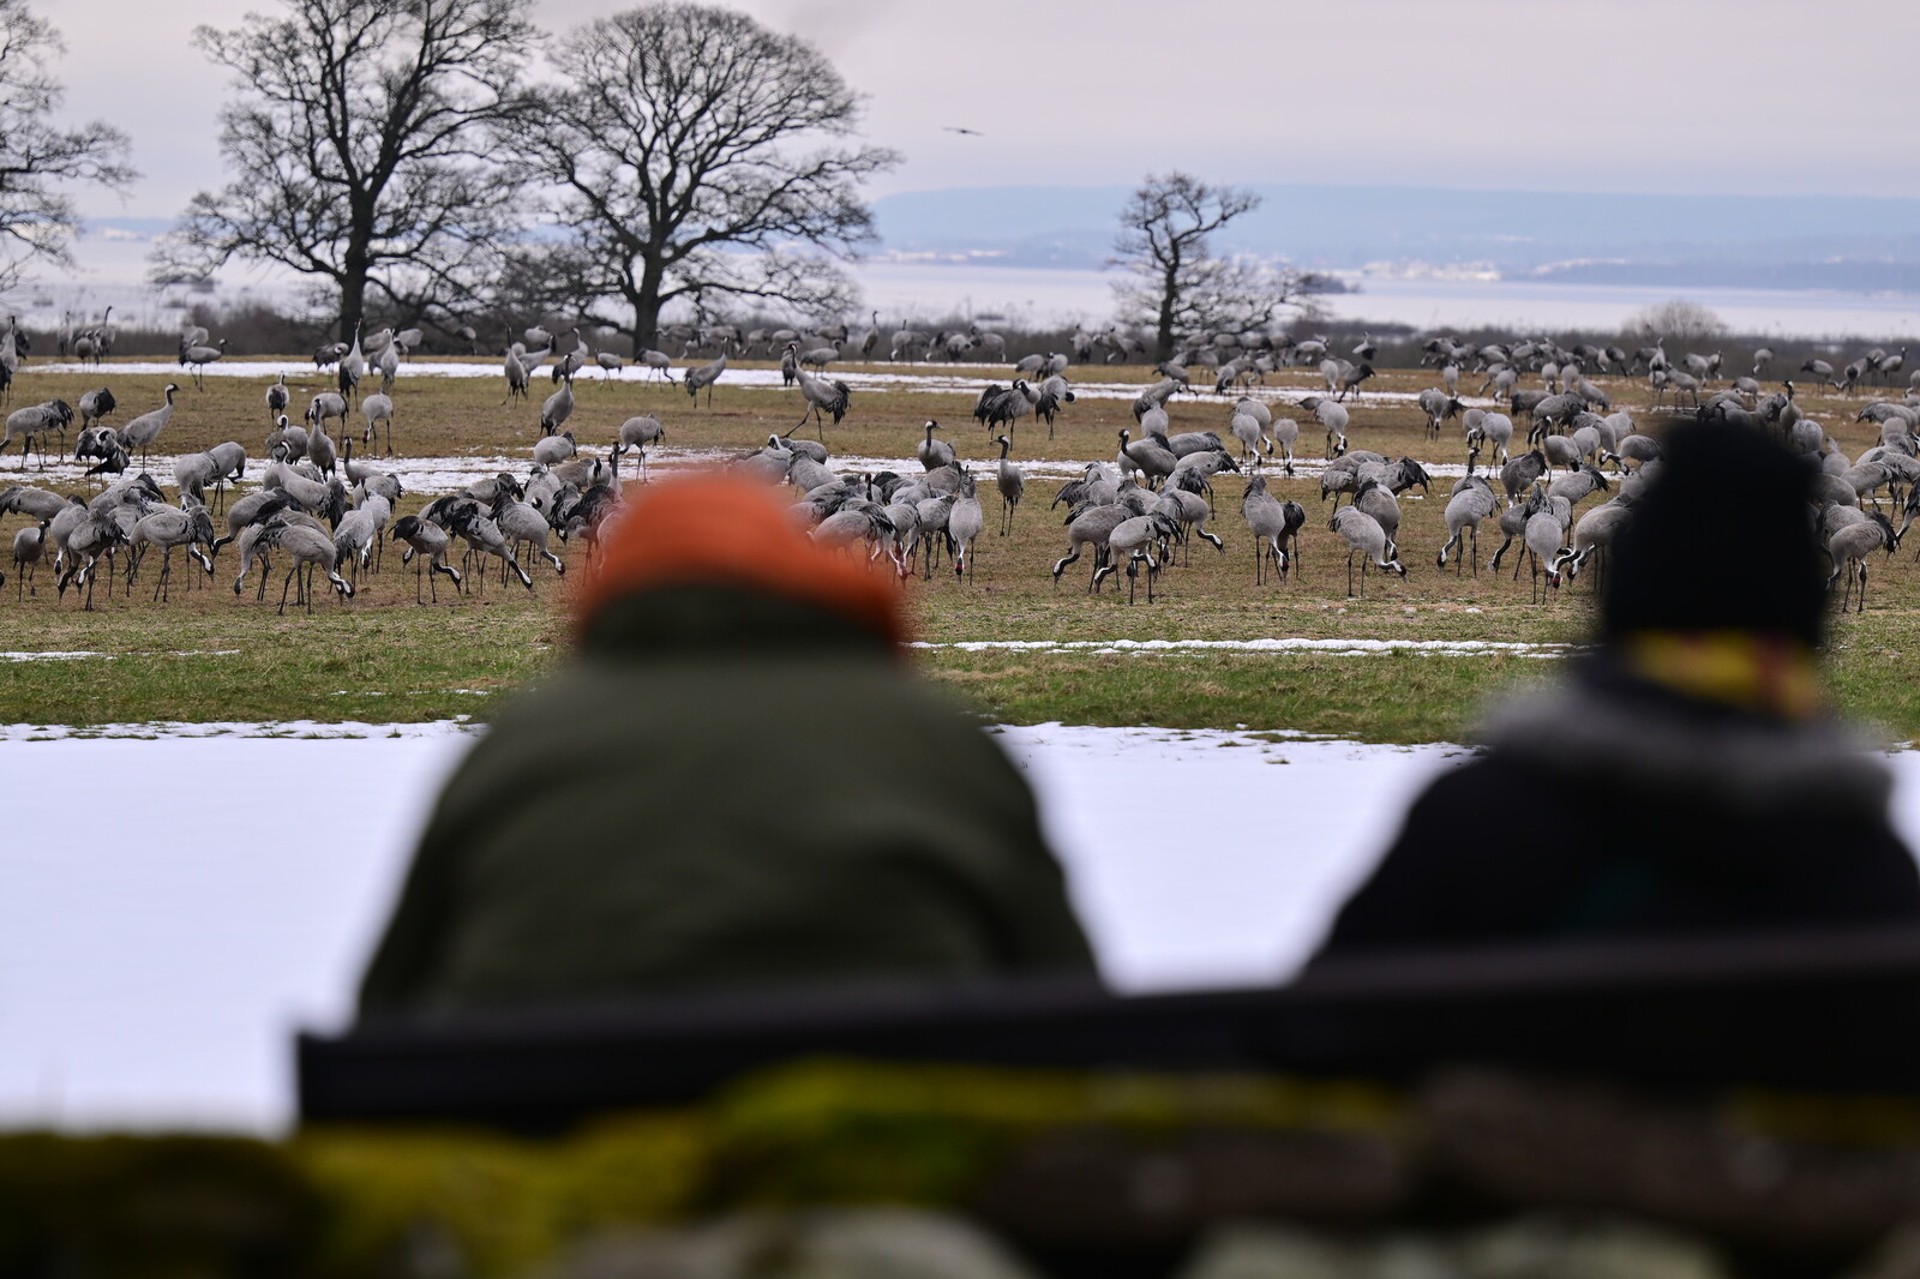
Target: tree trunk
x=646, y=303
x=353, y=290
x=1169, y=298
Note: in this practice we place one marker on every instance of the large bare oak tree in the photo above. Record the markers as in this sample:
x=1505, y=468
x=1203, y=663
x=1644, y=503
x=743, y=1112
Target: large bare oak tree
x=695, y=156
x=39, y=159
x=1175, y=285
x=359, y=144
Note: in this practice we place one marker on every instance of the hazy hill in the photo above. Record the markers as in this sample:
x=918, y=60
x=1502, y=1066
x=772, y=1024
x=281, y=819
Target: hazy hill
x=1774, y=241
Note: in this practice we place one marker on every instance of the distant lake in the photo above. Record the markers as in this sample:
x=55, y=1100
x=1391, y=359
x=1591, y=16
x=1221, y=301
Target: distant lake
x=113, y=271
x=1040, y=297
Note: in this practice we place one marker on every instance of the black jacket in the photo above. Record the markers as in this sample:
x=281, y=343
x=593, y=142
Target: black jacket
x=1611, y=806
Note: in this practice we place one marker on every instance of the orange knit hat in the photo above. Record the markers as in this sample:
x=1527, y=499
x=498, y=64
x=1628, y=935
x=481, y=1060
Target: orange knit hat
x=720, y=528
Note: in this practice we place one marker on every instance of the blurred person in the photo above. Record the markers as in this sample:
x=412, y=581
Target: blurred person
x=1683, y=777
x=735, y=782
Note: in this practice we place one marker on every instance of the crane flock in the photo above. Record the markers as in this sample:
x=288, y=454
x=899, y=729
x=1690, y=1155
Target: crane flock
x=1551, y=466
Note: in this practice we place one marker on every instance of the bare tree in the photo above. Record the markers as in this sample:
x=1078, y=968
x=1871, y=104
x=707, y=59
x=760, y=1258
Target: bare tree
x=698, y=157
x=358, y=139
x=37, y=218
x=1680, y=319
x=1176, y=285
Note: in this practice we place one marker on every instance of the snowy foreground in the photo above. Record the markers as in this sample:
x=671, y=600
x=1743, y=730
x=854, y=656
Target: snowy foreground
x=174, y=907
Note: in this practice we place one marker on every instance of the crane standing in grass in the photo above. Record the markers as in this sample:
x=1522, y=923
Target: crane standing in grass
x=1012, y=484
x=703, y=378
x=823, y=396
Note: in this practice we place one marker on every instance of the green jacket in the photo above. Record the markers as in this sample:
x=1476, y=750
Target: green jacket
x=723, y=790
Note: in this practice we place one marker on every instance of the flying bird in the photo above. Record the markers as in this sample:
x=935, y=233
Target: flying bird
x=954, y=128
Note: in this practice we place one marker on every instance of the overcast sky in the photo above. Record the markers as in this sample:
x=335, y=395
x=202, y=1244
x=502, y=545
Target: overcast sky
x=1754, y=96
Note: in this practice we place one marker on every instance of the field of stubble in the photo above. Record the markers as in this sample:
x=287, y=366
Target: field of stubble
x=209, y=655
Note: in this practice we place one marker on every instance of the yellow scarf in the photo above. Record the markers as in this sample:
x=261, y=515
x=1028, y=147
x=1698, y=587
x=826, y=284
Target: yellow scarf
x=1769, y=674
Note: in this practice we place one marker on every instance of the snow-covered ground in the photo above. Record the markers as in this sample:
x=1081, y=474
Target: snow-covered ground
x=174, y=908
x=177, y=899
x=435, y=475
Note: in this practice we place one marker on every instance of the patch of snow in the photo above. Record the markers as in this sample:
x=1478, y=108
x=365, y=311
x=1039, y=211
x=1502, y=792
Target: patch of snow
x=305, y=729
x=966, y=379
x=154, y=979
x=151, y=981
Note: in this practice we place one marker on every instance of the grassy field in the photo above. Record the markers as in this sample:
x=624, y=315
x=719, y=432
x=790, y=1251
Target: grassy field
x=207, y=655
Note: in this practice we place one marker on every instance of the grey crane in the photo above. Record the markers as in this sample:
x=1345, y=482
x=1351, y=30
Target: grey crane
x=1050, y=398
x=143, y=430
x=378, y=409
x=1517, y=476
x=320, y=447
x=193, y=472
x=1891, y=365
x=354, y=539
x=1439, y=406
x=286, y=442
x=1246, y=428
x=353, y=365
x=29, y=546
x=1333, y=417
x=94, y=405
x=427, y=544
x=858, y=521
x=36, y=422
x=1594, y=535
x=1011, y=482
x=1513, y=524
x=1275, y=525
x=1134, y=538
x=327, y=404
x=1542, y=538
x=703, y=378
x=933, y=453
x=309, y=494
x=1377, y=500
x=558, y=406
x=1849, y=548
x=658, y=363
x=518, y=377
x=1472, y=501
x=168, y=528
x=309, y=551
x=608, y=363
x=1579, y=484
x=198, y=357
x=1189, y=511
x=965, y=519
x=520, y=524
x=823, y=396
x=469, y=521
x=35, y=502
x=1368, y=540
x=278, y=397
x=635, y=434
x=92, y=534
x=1090, y=528
x=389, y=363
x=1149, y=457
